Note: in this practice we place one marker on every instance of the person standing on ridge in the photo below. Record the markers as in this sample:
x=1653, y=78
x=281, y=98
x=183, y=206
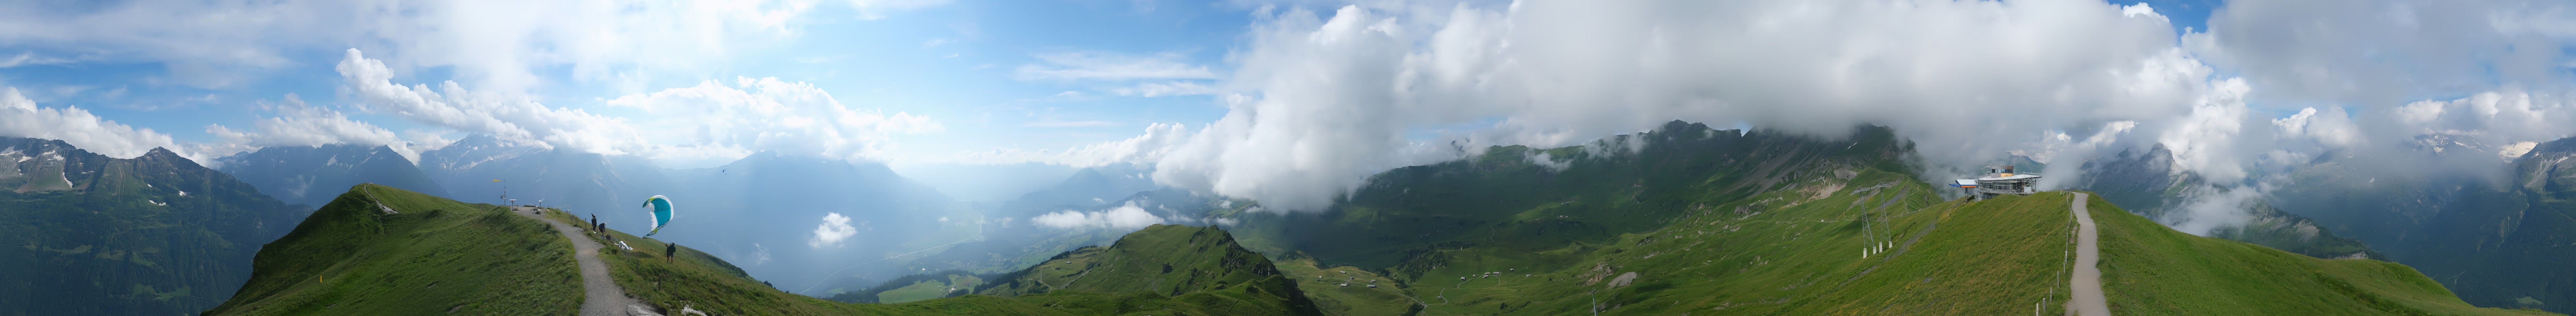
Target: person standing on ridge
x=668, y=250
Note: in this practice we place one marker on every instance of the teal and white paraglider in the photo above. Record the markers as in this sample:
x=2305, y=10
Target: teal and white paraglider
x=661, y=213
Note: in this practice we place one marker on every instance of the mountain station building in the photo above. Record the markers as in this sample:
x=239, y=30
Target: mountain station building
x=1999, y=180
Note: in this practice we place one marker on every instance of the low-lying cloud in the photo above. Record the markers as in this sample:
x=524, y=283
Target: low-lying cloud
x=832, y=231
x=1319, y=101
x=1123, y=217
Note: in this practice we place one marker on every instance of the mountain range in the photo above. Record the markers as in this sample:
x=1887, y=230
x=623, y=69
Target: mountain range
x=1693, y=220
x=156, y=234
x=2497, y=232
x=1684, y=218
x=313, y=175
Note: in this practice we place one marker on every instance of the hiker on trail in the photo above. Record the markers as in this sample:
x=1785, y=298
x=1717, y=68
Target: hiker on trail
x=594, y=222
x=668, y=250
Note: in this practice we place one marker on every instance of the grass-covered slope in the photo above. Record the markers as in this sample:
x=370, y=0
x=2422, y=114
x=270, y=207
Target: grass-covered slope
x=2148, y=269
x=430, y=255
x=1804, y=256
x=433, y=255
x=1162, y=270
x=1528, y=200
x=1199, y=266
x=1726, y=223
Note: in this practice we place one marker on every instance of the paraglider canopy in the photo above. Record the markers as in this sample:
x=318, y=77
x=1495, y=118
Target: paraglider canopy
x=661, y=213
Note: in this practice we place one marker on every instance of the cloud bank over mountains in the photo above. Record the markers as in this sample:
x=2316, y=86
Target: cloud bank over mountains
x=1319, y=100
x=20, y=117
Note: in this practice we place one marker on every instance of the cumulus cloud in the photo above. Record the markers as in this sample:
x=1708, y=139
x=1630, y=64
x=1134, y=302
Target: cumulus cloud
x=1317, y=102
x=20, y=117
x=832, y=231
x=1123, y=217
x=722, y=122
x=709, y=122
x=506, y=116
x=2492, y=72
x=298, y=124
x=1328, y=99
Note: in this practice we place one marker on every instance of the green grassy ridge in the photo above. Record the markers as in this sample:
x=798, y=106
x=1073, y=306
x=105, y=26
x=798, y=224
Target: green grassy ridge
x=1788, y=253
x=946, y=286
x=440, y=255
x=2150, y=269
x=1345, y=290
x=1503, y=197
x=915, y=287
x=437, y=255
x=1200, y=265
x=2006, y=255
x=1210, y=275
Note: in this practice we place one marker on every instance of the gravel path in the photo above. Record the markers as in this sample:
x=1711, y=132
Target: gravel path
x=600, y=295
x=2087, y=283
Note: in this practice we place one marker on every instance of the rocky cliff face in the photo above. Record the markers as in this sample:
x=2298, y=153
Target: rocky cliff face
x=2507, y=243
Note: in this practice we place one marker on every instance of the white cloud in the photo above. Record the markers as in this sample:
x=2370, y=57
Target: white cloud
x=2209, y=209
x=1106, y=66
x=20, y=117
x=2331, y=127
x=2393, y=62
x=832, y=231
x=505, y=116
x=1162, y=89
x=1124, y=217
x=713, y=120
x=30, y=58
x=2387, y=52
x=2506, y=116
x=877, y=9
x=710, y=122
x=1051, y=122
x=1544, y=159
x=1328, y=99
x=1158, y=139
x=300, y=125
x=2205, y=141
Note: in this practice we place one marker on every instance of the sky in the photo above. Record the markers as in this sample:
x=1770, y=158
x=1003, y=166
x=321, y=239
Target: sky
x=982, y=75
x=1294, y=102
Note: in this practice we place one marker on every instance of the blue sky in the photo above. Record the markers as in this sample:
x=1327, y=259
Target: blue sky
x=957, y=63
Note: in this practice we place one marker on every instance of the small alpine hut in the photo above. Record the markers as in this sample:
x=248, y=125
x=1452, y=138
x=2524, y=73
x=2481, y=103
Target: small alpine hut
x=1999, y=180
